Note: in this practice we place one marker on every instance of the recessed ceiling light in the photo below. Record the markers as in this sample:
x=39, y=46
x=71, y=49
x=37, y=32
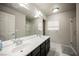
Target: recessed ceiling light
x=55, y=10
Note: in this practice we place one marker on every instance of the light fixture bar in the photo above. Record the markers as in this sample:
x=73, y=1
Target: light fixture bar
x=23, y=5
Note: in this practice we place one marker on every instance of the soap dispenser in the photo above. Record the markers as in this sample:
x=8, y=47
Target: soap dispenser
x=0, y=45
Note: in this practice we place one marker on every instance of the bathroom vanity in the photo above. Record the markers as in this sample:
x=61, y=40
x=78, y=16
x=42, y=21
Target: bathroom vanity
x=42, y=49
x=30, y=46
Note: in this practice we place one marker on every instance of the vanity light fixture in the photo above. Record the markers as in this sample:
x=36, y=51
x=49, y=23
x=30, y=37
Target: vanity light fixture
x=38, y=13
x=24, y=5
x=55, y=10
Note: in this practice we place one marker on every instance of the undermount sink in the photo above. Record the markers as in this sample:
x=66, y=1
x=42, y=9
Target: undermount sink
x=21, y=48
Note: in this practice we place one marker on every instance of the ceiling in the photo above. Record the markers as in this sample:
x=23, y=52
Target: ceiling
x=45, y=8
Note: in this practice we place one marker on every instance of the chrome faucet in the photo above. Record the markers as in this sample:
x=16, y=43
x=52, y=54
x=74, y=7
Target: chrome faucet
x=17, y=42
x=1, y=45
x=38, y=35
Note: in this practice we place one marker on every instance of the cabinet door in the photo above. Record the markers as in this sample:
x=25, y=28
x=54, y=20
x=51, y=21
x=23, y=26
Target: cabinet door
x=47, y=46
x=47, y=49
x=43, y=49
x=30, y=54
x=43, y=52
x=43, y=45
x=38, y=54
x=36, y=51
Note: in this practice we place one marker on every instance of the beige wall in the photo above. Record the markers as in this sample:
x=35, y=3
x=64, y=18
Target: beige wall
x=63, y=34
x=20, y=25
x=77, y=27
x=7, y=26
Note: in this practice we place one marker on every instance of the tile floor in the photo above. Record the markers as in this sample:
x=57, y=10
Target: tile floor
x=57, y=49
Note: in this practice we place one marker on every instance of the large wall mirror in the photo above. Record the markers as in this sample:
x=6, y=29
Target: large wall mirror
x=14, y=23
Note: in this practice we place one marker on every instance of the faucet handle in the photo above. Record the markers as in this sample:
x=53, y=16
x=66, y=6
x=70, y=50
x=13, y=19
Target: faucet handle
x=0, y=45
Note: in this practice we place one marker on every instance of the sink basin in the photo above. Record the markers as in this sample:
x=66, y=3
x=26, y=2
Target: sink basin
x=21, y=48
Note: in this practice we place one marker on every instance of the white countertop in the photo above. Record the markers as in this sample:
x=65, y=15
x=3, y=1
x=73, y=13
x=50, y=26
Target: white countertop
x=25, y=48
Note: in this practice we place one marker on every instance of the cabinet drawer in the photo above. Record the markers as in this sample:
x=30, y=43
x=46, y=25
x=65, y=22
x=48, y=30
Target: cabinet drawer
x=36, y=51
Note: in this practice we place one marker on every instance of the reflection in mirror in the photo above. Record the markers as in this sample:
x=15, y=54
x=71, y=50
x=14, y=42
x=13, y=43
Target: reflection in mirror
x=18, y=22
x=33, y=26
x=29, y=26
x=7, y=26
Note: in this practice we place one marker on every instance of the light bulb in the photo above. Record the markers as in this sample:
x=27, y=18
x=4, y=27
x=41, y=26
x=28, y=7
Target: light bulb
x=55, y=10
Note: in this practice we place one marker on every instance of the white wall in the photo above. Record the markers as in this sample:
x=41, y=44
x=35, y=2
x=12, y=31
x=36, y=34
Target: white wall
x=77, y=27
x=19, y=20
x=63, y=34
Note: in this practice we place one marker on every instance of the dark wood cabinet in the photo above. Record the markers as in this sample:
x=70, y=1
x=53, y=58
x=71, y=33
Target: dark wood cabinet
x=38, y=54
x=47, y=46
x=41, y=50
x=36, y=51
x=29, y=54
